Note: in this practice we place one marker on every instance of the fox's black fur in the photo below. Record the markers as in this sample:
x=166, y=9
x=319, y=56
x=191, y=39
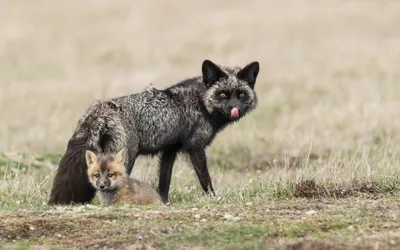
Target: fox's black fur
x=183, y=118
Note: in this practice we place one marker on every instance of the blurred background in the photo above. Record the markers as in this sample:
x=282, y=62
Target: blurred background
x=328, y=80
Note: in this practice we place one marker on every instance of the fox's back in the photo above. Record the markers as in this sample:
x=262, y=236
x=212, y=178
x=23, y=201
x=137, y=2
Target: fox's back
x=163, y=118
x=137, y=192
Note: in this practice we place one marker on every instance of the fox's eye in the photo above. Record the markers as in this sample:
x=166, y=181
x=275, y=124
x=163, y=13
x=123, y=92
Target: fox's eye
x=223, y=95
x=241, y=95
x=96, y=175
x=110, y=175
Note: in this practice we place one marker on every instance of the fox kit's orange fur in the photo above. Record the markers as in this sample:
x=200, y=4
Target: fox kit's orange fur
x=108, y=175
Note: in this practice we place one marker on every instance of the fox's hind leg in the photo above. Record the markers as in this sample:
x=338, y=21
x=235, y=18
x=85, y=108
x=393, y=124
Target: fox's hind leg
x=167, y=160
x=199, y=162
x=131, y=163
x=133, y=152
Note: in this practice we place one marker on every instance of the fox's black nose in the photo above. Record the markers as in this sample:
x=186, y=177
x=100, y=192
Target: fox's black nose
x=102, y=186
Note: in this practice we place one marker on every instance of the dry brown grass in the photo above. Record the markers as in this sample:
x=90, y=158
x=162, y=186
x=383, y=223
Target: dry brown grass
x=327, y=82
x=328, y=68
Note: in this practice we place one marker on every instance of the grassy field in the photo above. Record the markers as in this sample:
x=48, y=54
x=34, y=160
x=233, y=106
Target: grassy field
x=315, y=166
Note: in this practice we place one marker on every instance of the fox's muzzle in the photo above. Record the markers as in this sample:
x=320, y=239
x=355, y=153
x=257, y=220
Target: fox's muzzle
x=103, y=183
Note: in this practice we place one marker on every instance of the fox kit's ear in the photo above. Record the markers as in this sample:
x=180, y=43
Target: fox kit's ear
x=211, y=73
x=119, y=157
x=249, y=73
x=90, y=157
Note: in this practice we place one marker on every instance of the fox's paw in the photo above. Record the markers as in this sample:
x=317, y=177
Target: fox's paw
x=213, y=195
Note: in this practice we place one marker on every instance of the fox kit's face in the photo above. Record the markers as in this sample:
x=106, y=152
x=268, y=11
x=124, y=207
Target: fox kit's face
x=105, y=171
x=230, y=92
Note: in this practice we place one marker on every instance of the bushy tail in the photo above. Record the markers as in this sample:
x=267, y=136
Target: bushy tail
x=71, y=183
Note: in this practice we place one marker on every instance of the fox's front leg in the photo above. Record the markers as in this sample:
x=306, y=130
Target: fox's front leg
x=199, y=161
x=167, y=160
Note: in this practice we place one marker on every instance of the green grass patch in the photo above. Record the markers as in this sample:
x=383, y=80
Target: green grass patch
x=214, y=236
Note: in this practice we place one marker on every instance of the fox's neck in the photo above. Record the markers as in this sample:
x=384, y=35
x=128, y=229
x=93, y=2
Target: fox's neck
x=110, y=196
x=216, y=120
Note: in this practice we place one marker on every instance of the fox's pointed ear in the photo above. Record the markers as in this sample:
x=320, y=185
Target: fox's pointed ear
x=249, y=73
x=211, y=73
x=90, y=157
x=119, y=157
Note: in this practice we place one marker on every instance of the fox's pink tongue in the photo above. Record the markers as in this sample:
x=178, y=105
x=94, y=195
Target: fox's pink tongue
x=234, y=113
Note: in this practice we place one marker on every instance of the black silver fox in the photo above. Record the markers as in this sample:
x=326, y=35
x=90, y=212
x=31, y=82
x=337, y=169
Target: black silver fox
x=183, y=118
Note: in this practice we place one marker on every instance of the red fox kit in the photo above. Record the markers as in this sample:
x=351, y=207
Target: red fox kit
x=107, y=174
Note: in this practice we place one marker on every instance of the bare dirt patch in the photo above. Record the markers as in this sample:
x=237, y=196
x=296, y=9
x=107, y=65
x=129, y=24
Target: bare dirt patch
x=310, y=189
x=331, y=245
